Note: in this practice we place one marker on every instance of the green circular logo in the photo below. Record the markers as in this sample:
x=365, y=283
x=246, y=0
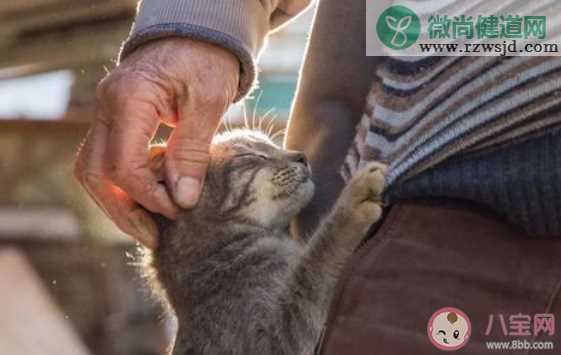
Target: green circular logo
x=398, y=27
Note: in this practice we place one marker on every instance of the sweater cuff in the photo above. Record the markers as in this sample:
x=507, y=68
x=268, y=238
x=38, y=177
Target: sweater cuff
x=239, y=26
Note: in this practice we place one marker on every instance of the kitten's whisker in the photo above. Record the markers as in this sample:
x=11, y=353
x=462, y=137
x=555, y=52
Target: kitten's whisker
x=271, y=125
x=263, y=118
x=259, y=123
x=230, y=124
x=225, y=124
x=280, y=132
x=253, y=126
x=268, y=113
x=245, y=118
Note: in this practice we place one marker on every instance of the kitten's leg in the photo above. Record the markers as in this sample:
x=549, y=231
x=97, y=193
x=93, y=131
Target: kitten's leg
x=309, y=291
x=358, y=207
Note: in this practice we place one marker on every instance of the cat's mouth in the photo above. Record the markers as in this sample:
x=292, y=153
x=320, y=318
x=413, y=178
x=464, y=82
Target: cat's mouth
x=294, y=182
x=301, y=180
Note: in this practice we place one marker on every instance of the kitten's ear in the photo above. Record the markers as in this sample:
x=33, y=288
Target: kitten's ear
x=156, y=163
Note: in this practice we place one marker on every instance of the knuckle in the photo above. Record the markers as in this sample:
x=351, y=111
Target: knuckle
x=118, y=174
x=115, y=87
x=213, y=99
x=190, y=156
x=188, y=152
x=103, y=87
x=194, y=164
x=136, y=185
x=147, y=188
x=217, y=97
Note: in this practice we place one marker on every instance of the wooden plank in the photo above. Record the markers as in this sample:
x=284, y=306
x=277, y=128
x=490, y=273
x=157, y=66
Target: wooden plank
x=38, y=22
x=31, y=323
x=51, y=51
x=9, y=7
x=73, y=127
x=43, y=223
x=44, y=35
x=20, y=7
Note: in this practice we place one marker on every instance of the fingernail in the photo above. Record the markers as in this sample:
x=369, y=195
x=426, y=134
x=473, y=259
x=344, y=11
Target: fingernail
x=188, y=191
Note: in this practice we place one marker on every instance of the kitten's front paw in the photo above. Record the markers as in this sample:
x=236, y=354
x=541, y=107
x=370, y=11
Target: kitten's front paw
x=361, y=200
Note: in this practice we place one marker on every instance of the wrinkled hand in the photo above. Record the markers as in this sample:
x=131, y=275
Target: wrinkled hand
x=179, y=82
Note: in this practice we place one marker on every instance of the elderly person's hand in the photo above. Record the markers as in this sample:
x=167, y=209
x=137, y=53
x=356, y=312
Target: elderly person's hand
x=179, y=82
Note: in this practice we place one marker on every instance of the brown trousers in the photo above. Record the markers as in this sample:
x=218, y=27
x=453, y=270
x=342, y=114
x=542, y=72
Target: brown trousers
x=426, y=256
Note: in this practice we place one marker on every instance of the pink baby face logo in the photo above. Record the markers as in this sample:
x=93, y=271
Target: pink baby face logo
x=449, y=329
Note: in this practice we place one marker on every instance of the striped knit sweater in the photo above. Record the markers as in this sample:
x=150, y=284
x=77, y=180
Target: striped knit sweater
x=438, y=123
x=479, y=128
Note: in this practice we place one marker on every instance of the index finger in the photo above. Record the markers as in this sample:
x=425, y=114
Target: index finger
x=127, y=215
x=128, y=158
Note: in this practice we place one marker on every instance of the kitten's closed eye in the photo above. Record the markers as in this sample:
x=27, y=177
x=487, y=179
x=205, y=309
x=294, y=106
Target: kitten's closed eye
x=251, y=155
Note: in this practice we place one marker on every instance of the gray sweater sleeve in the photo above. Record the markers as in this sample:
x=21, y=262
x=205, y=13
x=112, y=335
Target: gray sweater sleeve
x=240, y=26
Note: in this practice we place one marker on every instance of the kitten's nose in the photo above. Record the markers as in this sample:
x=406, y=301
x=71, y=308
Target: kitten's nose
x=298, y=157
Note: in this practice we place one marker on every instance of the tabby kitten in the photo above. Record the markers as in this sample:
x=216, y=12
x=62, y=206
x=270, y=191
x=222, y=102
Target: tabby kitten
x=238, y=282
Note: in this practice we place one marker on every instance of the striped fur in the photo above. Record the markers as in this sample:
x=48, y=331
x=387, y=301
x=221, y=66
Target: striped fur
x=238, y=282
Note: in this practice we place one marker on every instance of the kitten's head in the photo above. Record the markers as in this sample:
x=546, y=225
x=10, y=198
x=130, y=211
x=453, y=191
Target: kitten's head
x=252, y=179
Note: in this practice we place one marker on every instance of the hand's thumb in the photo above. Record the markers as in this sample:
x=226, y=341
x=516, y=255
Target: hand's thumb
x=188, y=158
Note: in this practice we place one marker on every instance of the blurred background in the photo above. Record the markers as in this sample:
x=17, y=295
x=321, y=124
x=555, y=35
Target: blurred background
x=68, y=279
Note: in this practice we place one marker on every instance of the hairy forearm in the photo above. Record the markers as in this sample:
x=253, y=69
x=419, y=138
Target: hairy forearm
x=333, y=86
x=240, y=26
